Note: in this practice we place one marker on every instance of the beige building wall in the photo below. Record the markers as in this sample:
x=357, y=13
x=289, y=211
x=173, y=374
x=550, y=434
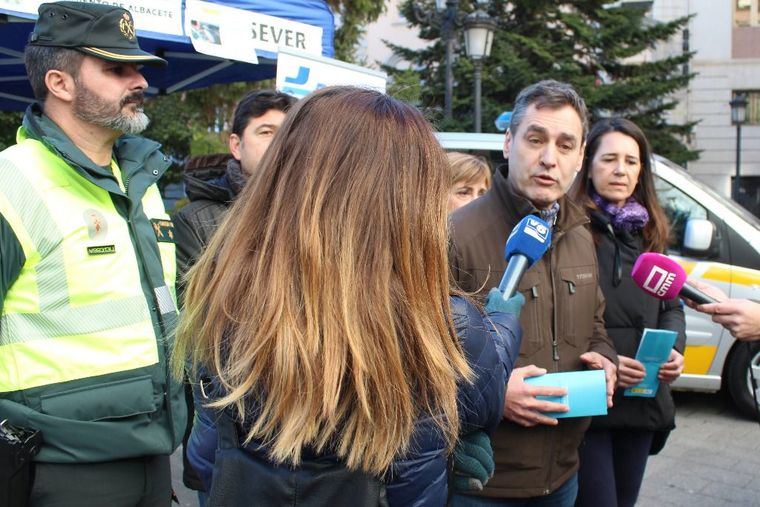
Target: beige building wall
x=393, y=27
x=723, y=62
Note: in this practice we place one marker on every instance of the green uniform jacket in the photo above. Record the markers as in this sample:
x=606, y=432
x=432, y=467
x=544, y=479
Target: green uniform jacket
x=137, y=412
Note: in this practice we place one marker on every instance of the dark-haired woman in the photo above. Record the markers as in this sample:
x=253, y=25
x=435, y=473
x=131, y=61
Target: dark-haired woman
x=616, y=187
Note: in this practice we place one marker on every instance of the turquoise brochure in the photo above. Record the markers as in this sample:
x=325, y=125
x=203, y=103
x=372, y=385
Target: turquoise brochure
x=586, y=392
x=654, y=350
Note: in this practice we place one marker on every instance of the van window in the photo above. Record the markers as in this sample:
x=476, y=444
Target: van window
x=679, y=208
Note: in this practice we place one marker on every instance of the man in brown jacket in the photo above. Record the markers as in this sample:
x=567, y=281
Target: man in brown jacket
x=563, y=330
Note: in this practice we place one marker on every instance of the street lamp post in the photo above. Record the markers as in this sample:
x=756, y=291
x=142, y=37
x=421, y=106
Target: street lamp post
x=479, y=30
x=738, y=117
x=446, y=16
x=447, y=31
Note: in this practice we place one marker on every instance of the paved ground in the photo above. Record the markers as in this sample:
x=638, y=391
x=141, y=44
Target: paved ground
x=187, y=498
x=711, y=459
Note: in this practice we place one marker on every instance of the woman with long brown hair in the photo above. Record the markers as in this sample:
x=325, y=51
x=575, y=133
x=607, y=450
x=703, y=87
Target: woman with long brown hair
x=616, y=187
x=320, y=320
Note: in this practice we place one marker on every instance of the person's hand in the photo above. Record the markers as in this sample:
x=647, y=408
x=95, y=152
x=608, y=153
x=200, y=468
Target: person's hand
x=630, y=371
x=596, y=361
x=740, y=316
x=522, y=406
x=495, y=302
x=473, y=462
x=671, y=370
x=711, y=290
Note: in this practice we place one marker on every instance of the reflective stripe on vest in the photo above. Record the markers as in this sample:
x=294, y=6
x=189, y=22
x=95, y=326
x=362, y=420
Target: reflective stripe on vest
x=77, y=309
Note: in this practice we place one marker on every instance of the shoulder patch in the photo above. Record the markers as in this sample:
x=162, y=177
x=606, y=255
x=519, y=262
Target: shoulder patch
x=164, y=230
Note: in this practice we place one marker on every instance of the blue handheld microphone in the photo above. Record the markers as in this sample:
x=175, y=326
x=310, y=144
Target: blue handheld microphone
x=528, y=242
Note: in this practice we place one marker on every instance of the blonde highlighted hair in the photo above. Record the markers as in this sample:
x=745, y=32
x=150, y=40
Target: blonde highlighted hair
x=465, y=168
x=323, y=300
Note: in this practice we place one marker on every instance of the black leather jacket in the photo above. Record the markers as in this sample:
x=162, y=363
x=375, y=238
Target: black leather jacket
x=211, y=182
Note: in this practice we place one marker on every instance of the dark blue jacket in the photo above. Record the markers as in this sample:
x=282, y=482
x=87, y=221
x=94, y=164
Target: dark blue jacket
x=419, y=478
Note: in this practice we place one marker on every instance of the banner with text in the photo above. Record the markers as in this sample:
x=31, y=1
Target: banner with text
x=299, y=74
x=236, y=34
x=162, y=16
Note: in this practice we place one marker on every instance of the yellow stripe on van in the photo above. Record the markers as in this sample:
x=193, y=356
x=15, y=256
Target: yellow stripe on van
x=739, y=275
x=687, y=266
x=719, y=273
x=698, y=358
x=723, y=273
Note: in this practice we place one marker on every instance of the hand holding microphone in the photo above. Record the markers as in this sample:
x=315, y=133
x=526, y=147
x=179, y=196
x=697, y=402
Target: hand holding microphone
x=662, y=277
x=740, y=316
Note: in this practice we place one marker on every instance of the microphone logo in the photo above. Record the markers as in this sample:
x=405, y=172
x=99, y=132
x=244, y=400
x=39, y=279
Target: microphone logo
x=659, y=281
x=536, y=229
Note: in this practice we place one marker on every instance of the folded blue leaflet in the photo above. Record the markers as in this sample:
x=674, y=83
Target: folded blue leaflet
x=654, y=350
x=586, y=392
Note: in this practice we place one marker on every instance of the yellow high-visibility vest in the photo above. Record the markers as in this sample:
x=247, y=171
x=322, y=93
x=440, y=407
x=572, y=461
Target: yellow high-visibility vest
x=77, y=308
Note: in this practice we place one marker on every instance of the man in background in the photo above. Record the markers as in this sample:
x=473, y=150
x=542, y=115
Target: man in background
x=212, y=183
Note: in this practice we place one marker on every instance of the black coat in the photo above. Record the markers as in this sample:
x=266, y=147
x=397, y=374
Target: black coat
x=629, y=310
x=211, y=182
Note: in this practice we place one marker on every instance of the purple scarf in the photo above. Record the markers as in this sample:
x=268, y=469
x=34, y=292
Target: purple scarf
x=631, y=217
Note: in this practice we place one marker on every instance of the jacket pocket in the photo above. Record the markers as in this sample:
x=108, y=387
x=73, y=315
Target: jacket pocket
x=577, y=304
x=112, y=400
x=530, y=317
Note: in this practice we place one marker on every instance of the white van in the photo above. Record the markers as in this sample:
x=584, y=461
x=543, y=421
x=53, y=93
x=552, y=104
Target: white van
x=716, y=241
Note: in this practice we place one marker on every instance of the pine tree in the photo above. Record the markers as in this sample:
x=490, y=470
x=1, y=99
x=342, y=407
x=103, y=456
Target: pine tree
x=577, y=41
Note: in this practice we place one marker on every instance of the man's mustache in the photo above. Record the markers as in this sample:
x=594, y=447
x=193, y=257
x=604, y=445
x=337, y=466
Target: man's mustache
x=133, y=98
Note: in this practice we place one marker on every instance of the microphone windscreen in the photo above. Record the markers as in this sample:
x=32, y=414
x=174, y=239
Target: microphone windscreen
x=658, y=275
x=531, y=237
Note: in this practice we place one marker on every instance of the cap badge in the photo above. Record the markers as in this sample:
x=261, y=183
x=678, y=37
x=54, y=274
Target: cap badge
x=127, y=27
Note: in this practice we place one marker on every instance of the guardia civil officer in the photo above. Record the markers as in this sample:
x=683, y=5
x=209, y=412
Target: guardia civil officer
x=87, y=269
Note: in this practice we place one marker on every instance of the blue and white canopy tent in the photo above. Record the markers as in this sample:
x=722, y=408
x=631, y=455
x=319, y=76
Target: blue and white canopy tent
x=187, y=67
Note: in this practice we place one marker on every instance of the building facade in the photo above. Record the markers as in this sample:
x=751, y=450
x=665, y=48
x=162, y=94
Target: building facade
x=393, y=27
x=725, y=37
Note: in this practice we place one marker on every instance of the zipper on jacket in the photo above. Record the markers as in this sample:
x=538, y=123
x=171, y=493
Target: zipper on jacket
x=162, y=324
x=555, y=344
x=554, y=434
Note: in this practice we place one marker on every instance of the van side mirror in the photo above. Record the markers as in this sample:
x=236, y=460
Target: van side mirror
x=699, y=236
